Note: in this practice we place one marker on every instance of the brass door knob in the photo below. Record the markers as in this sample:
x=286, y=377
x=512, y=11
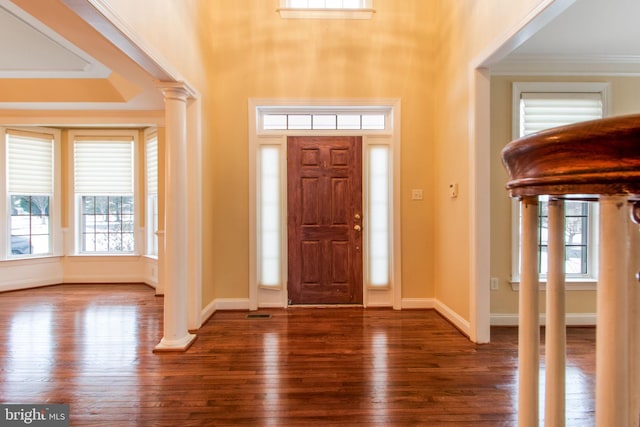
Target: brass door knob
x=357, y=227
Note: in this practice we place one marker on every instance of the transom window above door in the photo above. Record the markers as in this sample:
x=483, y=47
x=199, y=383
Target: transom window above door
x=376, y=119
x=326, y=9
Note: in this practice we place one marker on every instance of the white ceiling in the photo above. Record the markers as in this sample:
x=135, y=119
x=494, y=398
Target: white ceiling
x=32, y=50
x=590, y=36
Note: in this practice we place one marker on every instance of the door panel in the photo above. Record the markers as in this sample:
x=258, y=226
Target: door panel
x=324, y=207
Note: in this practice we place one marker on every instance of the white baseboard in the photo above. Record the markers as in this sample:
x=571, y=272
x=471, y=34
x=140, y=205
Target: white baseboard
x=418, y=303
x=572, y=319
x=458, y=321
x=444, y=310
x=28, y=284
x=224, y=304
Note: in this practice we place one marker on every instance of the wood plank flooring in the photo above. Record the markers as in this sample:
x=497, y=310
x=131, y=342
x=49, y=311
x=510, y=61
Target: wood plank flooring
x=91, y=346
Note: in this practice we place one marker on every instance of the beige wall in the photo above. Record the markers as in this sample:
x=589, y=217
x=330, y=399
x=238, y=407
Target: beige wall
x=416, y=50
x=625, y=99
x=248, y=51
x=465, y=30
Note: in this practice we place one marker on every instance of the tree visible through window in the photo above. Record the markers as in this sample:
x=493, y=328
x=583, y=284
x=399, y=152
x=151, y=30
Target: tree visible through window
x=104, y=188
x=29, y=225
x=30, y=189
x=107, y=224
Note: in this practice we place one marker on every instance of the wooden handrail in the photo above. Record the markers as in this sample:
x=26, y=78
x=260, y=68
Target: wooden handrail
x=597, y=157
x=595, y=160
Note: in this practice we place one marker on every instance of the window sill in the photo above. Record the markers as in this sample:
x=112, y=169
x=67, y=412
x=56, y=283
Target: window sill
x=570, y=285
x=40, y=259
x=94, y=257
x=308, y=13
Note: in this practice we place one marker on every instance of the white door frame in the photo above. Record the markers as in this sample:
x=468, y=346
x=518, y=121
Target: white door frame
x=276, y=296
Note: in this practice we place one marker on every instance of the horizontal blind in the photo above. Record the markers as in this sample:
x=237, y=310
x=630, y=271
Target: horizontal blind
x=544, y=110
x=29, y=163
x=151, y=155
x=103, y=166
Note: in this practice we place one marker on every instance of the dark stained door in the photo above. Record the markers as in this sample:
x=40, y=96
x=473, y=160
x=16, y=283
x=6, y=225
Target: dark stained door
x=324, y=220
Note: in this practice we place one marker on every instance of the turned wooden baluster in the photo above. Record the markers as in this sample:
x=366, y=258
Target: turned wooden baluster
x=596, y=160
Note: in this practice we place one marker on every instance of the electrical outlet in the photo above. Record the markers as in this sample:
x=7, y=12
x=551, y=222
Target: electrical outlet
x=495, y=284
x=417, y=194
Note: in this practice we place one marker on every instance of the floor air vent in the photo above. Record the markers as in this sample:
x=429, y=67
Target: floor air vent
x=258, y=316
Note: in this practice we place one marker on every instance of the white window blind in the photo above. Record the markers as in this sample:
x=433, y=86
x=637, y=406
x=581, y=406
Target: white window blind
x=103, y=166
x=540, y=110
x=151, y=154
x=29, y=163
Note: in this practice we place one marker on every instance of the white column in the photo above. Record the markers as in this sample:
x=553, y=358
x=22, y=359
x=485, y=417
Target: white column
x=634, y=320
x=555, y=332
x=529, y=323
x=176, y=335
x=612, y=347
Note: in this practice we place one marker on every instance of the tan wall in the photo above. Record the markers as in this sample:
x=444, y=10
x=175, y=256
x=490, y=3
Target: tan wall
x=247, y=51
x=465, y=30
x=625, y=99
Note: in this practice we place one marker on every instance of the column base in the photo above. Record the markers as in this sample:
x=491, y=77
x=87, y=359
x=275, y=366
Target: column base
x=175, y=345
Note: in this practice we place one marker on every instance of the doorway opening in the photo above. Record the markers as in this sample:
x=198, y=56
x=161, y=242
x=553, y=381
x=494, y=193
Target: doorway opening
x=376, y=126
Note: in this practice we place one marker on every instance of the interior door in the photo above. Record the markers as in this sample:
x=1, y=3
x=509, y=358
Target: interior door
x=324, y=182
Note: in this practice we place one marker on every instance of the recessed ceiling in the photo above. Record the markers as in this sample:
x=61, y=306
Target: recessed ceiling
x=51, y=58
x=589, y=37
x=32, y=50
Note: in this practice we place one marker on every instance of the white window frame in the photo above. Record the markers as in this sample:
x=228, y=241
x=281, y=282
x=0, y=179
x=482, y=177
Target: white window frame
x=275, y=295
x=73, y=199
x=55, y=215
x=151, y=210
x=324, y=9
x=574, y=282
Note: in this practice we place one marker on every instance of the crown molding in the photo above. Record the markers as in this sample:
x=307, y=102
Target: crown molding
x=622, y=65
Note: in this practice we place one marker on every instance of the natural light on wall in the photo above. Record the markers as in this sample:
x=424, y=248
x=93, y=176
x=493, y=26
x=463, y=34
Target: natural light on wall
x=378, y=262
x=270, y=248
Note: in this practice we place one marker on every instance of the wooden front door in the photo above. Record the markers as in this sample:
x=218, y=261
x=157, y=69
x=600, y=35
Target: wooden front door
x=324, y=220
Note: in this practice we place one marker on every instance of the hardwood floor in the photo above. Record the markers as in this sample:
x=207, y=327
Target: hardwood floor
x=91, y=346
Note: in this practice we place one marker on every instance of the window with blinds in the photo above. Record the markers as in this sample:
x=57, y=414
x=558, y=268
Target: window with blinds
x=539, y=111
x=30, y=179
x=552, y=105
x=151, y=173
x=104, y=190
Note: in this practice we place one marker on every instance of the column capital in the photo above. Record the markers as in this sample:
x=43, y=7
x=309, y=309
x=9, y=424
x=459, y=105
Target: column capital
x=178, y=91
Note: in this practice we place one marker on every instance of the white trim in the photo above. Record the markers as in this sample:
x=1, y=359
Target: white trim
x=571, y=319
x=604, y=88
x=55, y=203
x=73, y=206
x=364, y=11
x=232, y=304
x=479, y=105
x=292, y=13
x=259, y=296
x=570, y=285
x=568, y=65
x=418, y=303
x=479, y=207
x=573, y=282
x=458, y=321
